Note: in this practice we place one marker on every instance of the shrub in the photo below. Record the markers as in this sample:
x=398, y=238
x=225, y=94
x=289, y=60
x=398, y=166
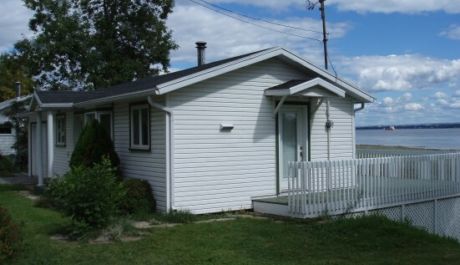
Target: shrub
x=10, y=236
x=6, y=166
x=90, y=196
x=93, y=144
x=139, y=197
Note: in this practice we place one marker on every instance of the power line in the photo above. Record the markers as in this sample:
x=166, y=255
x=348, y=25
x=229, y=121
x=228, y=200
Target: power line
x=259, y=19
x=252, y=23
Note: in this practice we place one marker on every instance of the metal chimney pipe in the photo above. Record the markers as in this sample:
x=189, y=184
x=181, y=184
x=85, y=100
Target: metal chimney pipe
x=18, y=89
x=200, y=48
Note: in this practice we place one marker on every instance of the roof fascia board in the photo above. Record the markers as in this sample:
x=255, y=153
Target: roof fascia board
x=221, y=69
x=146, y=92
x=317, y=82
x=56, y=105
x=215, y=71
x=358, y=93
x=305, y=86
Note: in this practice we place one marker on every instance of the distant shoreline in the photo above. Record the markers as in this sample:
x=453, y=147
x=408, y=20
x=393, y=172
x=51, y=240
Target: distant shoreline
x=368, y=147
x=412, y=126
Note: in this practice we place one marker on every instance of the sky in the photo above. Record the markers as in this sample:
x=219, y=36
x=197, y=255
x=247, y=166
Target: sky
x=405, y=53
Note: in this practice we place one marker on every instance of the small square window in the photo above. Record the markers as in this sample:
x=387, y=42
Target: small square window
x=6, y=128
x=140, y=127
x=60, y=130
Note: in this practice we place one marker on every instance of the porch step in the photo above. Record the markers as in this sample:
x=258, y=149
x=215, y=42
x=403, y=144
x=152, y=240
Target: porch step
x=270, y=206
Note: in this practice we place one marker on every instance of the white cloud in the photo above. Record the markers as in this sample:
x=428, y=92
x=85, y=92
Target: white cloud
x=387, y=101
x=453, y=32
x=455, y=104
x=228, y=37
x=401, y=72
x=413, y=106
x=457, y=93
x=13, y=23
x=397, y=6
x=440, y=95
x=406, y=96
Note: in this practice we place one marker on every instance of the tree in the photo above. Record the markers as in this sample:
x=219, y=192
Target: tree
x=13, y=69
x=90, y=44
x=19, y=124
x=93, y=145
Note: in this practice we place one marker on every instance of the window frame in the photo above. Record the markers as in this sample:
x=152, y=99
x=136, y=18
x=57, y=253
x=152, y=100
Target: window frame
x=7, y=125
x=97, y=117
x=105, y=112
x=139, y=147
x=58, y=141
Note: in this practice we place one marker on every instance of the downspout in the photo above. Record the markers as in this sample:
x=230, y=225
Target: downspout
x=360, y=108
x=354, y=128
x=169, y=151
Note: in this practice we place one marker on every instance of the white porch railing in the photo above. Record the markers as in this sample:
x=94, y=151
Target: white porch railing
x=341, y=186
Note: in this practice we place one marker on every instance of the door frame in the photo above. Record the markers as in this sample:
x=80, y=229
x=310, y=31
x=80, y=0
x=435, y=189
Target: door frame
x=305, y=108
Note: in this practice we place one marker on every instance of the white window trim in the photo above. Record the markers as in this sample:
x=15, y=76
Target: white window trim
x=97, y=116
x=61, y=131
x=85, y=116
x=131, y=127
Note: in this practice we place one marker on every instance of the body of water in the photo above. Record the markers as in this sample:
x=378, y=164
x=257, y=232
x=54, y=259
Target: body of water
x=424, y=138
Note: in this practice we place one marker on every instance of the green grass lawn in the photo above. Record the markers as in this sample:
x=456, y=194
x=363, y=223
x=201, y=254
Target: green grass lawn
x=369, y=240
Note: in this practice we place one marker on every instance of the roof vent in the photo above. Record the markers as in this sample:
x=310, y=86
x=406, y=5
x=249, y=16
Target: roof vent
x=200, y=48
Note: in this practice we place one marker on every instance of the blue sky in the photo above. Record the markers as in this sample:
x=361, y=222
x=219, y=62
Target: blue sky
x=406, y=53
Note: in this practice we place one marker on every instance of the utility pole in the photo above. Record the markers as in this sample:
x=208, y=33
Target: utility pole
x=310, y=6
x=323, y=18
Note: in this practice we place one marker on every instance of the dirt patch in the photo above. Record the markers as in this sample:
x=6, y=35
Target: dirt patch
x=61, y=238
x=29, y=195
x=216, y=220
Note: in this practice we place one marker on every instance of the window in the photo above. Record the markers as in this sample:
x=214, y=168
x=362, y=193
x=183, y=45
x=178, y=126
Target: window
x=90, y=116
x=103, y=117
x=6, y=128
x=60, y=130
x=140, y=130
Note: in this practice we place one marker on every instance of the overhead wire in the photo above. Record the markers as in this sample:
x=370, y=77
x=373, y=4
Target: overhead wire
x=202, y=4
x=259, y=19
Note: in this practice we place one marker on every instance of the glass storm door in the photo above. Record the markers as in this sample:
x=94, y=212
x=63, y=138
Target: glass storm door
x=292, y=137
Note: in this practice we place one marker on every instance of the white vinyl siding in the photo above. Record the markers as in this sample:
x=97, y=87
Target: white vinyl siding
x=63, y=153
x=150, y=164
x=342, y=133
x=6, y=143
x=218, y=170
x=7, y=136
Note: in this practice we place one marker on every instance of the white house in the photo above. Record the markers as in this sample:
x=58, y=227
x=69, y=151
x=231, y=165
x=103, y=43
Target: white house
x=7, y=130
x=209, y=138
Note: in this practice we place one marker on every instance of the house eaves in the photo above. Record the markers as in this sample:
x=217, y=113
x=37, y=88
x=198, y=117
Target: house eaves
x=173, y=85
x=299, y=86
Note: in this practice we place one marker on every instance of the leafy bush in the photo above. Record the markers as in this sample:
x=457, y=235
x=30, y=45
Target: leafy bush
x=10, y=236
x=93, y=144
x=139, y=197
x=6, y=166
x=90, y=196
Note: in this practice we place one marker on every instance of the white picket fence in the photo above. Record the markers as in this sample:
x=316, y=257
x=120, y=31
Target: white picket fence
x=345, y=186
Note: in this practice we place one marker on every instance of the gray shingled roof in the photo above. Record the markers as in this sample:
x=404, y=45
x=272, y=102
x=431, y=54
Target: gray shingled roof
x=47, y=97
